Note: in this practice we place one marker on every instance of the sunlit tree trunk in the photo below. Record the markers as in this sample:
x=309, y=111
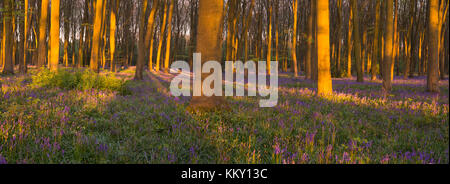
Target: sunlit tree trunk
x=8, y=62
x=208, y=44
x=67, y=12
x=102, y=47
x=3, y=47
x=234, y=39
x=169, y=37
x=149, y=34
x=388, y=48
x=294, y=37
x=395, y=32
x=349, y=44
x=442, y=18
x=112, y=33
x=433, y=44
x=161, y=37
x=231, y=14
x=94, y=63
x=42, y=48
x=269, y=34
x=54, y=36
x=376, y=44
x=324, y=85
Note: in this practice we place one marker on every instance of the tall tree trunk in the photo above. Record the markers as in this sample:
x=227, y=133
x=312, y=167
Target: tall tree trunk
x=276, y=34
x=169, y=37
x=161, y=37
x=388, y=48
x=23, y=64
x=245, y=32
x=149, y=36
x=141, y=44
x=8, y=64
x=410, y=49
x=357, y=42
x=433, y=42
x=310, y=41
x=103, y=36
x=94, y=63
x=349, y=45
x=442, y=18
x=338, y=38
x=67, y=12
x=269, y=34
x=376, y=39
x=314, y=67
x=395, y=44
x=54, y=36
x=42, y=48
x=208, y=44
x=324, y=85
x=112, y=34
x=294, y=37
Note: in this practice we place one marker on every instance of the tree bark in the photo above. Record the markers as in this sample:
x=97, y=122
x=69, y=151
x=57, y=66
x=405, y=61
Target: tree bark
x=94, y=64
x=141, y=44
x=54, y=36
x=388, y=48
x=357, y=42
x=433, y=42
x=324, y=85
x=294, y=38
x=208, y=44
x=42, y=48
x=161, y=37
x=149, y=35
x=169, y=37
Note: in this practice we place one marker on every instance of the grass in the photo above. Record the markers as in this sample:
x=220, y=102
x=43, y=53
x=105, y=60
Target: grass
x=79, y=117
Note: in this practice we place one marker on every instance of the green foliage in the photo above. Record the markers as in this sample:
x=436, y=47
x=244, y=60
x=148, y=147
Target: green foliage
x=79, y=79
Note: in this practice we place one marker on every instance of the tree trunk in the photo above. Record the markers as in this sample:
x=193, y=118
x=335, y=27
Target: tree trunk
x=149, y=35
x=169, y=37
x=54, y=36
x=376, y=39
x=161, y=37
x=349, y=45
x=324, y=85
x=357, y=42
x=141, y=44
x=395, y=44
x=294, y=38
x=42, y=48
x=94, y=64
x=433, y=42
x=388, y=48
x=310, y=44
x=23, y=64
x=8, y=64
x=208, y=44
x=245, y=32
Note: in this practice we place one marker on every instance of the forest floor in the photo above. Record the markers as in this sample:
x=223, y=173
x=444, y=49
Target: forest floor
x=147, y=125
